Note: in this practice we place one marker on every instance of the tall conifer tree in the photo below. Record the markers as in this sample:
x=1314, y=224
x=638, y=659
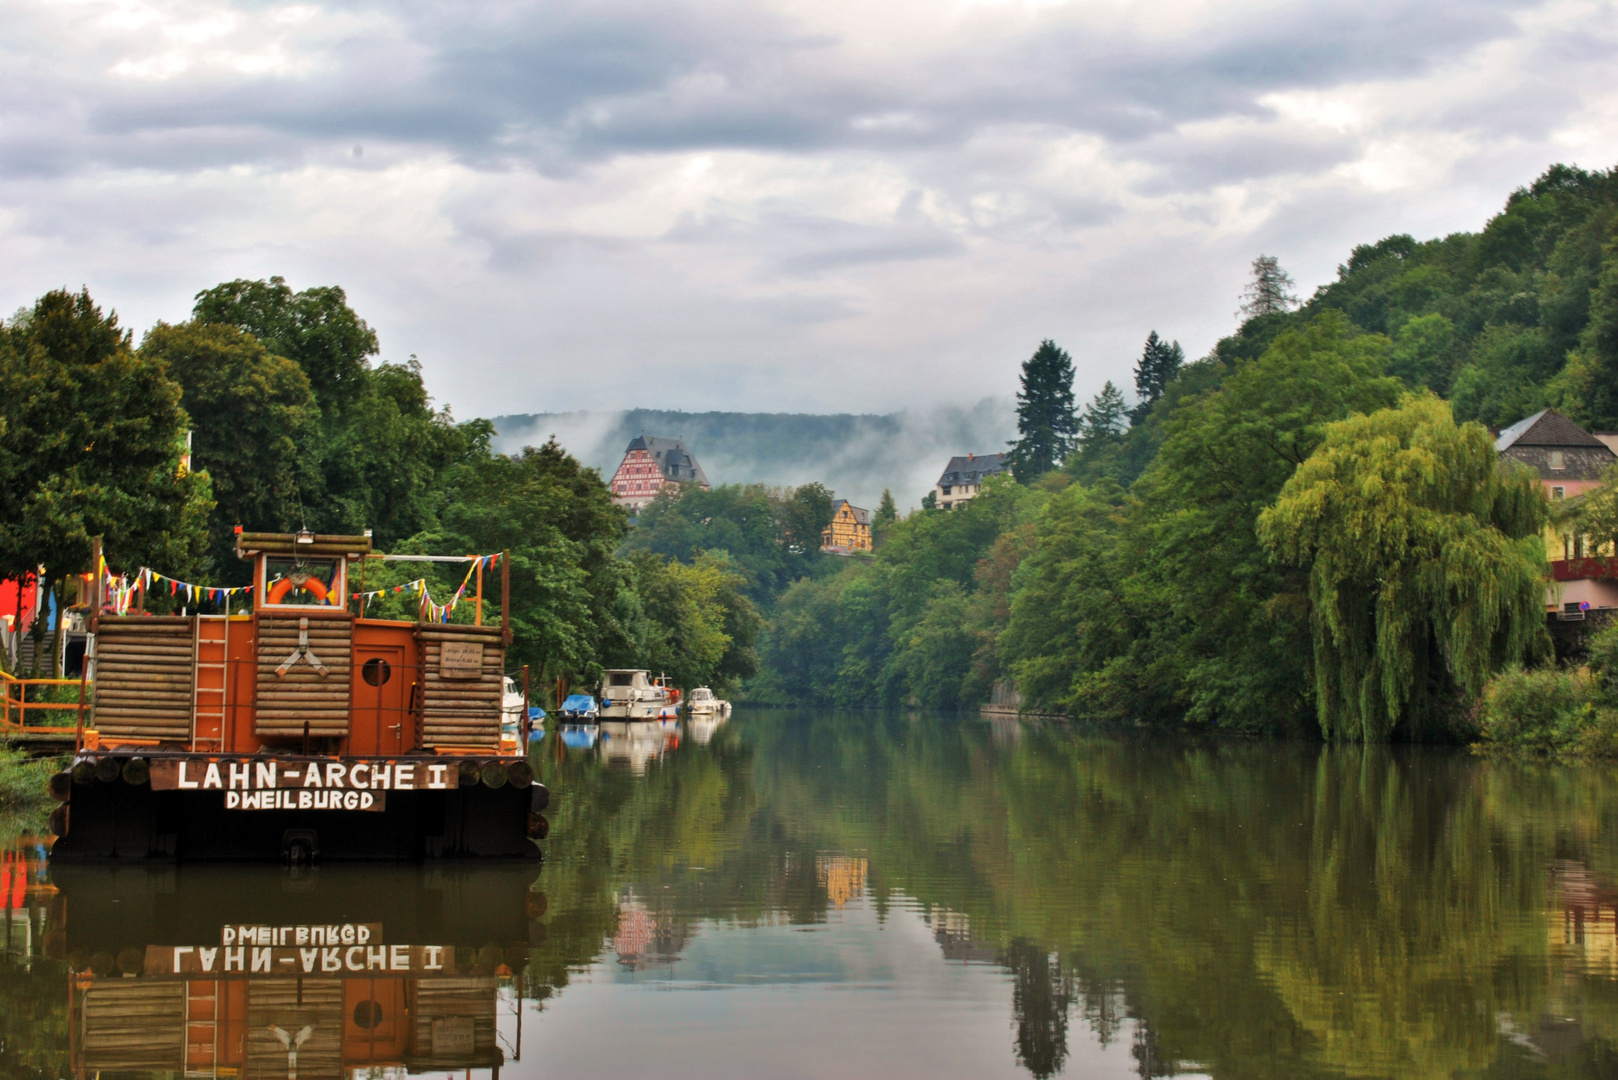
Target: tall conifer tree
x=1159, y=363
x=1046, y=426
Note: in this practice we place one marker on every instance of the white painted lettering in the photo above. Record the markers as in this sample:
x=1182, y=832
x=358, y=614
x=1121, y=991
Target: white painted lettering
x=239, y=772
x=435, y=776
x=306, y=799
x=331, y=960
x=181, y=781
x=229, y=936
x=432, y=960
x=266, y=774
x=233, y=800
x=367, y=800
x=261, y=959
x=381, y=776
x=208, y=957
x=211, y=778
x=236, y=959
x=399, y=958
x=311, y=775
x=335, y=772
x=363, y=934
x=404, y=777
x=348, y=933
x=183, y=948
x=352, y=963
x=351, y=800
x=309, y=956
x=354, y=778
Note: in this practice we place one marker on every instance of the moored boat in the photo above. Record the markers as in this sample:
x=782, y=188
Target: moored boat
x=297, y=730
x=632, y=694
x=704, y=703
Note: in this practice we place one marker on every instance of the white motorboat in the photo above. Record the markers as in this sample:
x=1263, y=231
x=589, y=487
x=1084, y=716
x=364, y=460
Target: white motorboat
x=704, y=703
x=632, y=694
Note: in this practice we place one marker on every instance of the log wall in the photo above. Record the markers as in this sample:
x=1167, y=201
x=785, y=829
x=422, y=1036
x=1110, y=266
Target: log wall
x=145, y=677
x=284, y=702
x=459, y=712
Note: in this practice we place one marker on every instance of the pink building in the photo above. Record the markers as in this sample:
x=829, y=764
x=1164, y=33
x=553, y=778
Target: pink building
x=649, y=466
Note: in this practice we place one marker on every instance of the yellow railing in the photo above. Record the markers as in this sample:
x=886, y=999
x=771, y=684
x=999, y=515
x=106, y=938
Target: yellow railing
x=15, y=705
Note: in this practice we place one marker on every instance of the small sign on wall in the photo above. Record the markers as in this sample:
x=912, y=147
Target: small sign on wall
x=460, y=660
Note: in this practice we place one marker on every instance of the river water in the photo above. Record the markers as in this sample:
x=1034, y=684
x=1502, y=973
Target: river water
x=796, y=894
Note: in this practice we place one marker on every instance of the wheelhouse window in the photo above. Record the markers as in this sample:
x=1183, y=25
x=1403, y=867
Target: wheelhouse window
x=290, y=581
x=1558, y=461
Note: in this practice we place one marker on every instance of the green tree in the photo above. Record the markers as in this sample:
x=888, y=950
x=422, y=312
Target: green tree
x=381, y=444
x=887, y=511
x=91, y=435
x=315, y=328
x=1426, y=565
x=252, y=414
x=1160, y=362
x=1184, y=618
x=1045, y=423
x=700, y=629
x=1101, y=437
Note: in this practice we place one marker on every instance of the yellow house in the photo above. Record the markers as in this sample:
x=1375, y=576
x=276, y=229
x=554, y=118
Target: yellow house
x=1570, y=462
x=849, y=531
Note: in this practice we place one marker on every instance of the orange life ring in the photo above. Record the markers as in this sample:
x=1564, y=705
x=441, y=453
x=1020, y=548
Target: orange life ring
x=312, y=585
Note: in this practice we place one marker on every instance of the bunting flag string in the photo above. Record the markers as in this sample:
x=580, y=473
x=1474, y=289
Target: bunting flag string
x=435, y=612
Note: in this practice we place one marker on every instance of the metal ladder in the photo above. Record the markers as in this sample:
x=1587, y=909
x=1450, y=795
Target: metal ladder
x=209, y=702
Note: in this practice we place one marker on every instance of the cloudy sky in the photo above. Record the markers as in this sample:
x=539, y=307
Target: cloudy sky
x=780, y=205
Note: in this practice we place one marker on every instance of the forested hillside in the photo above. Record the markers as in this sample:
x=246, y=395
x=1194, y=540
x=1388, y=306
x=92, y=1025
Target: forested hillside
x=1181, y=566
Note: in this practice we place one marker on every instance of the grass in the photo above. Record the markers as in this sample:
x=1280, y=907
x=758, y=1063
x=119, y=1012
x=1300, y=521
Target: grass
x=24, y=802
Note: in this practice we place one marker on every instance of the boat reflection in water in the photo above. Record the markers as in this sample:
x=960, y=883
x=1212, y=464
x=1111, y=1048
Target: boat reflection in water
x=703, y=725
x=266, y=974
x=638, y=743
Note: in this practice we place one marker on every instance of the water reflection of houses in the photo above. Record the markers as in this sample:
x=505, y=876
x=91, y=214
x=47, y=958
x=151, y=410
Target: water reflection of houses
x=645, y=938
x=1583, y=923
x=953, y=932
x=842, y=876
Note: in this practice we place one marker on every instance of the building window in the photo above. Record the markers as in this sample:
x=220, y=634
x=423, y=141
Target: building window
x=946, y=489
x=1558, y=492
x=1558, y=461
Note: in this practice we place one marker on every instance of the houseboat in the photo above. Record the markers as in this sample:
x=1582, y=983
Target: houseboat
x=299, y=729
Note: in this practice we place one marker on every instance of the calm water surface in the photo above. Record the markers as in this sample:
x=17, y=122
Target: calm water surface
x=836, y=895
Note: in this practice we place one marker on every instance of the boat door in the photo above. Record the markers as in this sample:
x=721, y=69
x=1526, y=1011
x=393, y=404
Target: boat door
x=381, y=723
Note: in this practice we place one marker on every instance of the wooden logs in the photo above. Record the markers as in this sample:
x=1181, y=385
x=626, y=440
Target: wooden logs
x=292, y=694
x=144, y=677
x=461, y=685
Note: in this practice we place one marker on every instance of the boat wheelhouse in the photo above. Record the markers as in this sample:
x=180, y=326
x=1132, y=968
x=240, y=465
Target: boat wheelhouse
x=704, y=702
x=299, y=729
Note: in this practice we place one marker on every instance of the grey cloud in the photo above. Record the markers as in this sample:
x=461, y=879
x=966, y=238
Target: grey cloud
x=498, y=83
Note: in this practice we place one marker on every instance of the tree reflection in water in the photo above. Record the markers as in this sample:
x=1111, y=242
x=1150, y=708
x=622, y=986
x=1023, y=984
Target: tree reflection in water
x=1254, y=910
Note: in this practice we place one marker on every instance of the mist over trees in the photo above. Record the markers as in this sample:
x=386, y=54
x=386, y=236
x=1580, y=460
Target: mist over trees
x=1201, y=561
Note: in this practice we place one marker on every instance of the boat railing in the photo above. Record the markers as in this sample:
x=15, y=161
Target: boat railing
x=20, y=696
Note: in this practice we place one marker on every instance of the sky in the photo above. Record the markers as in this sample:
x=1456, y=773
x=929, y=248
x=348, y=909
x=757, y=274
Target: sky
x=768, y=205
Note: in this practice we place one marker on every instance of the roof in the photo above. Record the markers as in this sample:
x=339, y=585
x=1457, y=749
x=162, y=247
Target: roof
x=1545, y=428
x=672, y=458
x=861, y=517
x=972, y=468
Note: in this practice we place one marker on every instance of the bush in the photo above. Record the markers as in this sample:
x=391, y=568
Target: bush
x=1554, y=711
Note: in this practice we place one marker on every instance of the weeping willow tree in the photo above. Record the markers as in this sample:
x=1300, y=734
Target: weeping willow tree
x=1426, y=565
